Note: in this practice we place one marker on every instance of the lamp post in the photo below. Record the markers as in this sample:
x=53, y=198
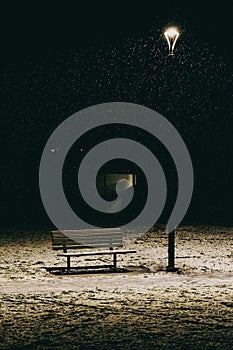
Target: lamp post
x=171, y=34
x=171, y=252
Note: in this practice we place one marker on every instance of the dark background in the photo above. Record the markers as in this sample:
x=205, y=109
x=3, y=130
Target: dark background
x=61, y=57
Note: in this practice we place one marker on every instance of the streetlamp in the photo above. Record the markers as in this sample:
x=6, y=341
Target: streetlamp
x=171, y=34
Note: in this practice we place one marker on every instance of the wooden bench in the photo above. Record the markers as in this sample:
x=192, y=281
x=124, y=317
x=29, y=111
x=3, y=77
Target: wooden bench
x=108, y=238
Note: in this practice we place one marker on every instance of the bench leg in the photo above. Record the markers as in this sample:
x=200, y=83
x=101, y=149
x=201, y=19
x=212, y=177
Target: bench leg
x=68, y=262
x=115, y=260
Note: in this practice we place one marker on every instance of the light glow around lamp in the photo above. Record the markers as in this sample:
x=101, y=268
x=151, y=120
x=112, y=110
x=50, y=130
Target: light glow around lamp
x=171, y=34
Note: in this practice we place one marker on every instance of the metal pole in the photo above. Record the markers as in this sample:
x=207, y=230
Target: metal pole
x=68, y=262
x=114, y=260
x=171, y=252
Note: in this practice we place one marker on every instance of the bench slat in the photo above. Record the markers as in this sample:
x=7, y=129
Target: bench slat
x=75, y=236
x=85, y=231
x=60, y=247
x=88, y=239
x=57, y=248
x=103, y=229
x=105, y=252
x=89, y=245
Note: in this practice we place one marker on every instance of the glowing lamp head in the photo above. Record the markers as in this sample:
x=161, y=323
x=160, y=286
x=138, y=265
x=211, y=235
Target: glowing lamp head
x=171, y=34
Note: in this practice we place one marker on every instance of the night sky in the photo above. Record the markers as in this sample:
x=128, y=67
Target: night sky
x=59, y=59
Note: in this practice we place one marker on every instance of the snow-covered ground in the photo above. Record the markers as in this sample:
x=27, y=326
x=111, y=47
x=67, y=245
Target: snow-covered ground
x=144, y=309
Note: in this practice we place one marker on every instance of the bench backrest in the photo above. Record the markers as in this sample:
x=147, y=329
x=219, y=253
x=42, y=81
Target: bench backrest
x=89, y=238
